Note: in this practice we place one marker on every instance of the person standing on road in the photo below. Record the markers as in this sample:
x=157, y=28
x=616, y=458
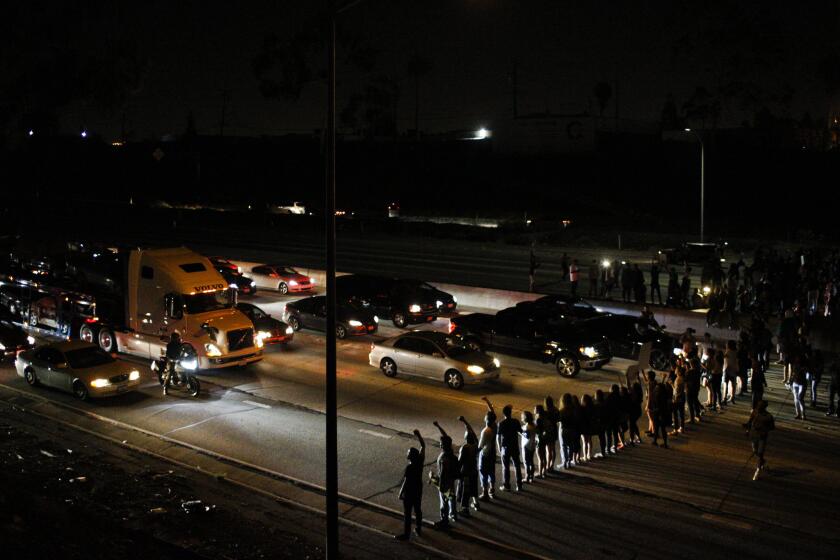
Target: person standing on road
x=508, y=440
x=654, y=282
x=541, y=422
x=487, y=453
x=716, y=380
x=760, y=424
x=626, y=278
x=679, y=387
x=574, y=277
x=533, y=265
x=757, y=381
x=673, y=289
x=447, y=476
x=639, y=291
x=551, y=433
x=594, y=271
x=730, y=371
x=797, y=386
x=598, y=425
x=411, y=491
x=833, y=389
x=567, y=430
x=692, y=390
x=529, y=443
x=663, y=397
x=637, y=399
x=612, y=419
x=586, y=411
x=468, y=469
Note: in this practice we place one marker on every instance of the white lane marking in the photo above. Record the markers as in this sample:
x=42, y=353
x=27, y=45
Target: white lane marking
x=252, y=403
x=377, y=434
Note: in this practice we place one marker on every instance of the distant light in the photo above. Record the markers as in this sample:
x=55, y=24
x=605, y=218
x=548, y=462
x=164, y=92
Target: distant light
x=605, y=263
x=84, y=134
x=31, y=132
x=482, y=133
x=688, y=130
x=116, y=143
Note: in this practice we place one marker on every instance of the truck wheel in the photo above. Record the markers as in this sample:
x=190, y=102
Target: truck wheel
x=106, y=340
x=283, y=288
x=567, y=365
x=86, y=333
x=398, y=318
x=454, y=379
x=294, y=322
x=388, y=367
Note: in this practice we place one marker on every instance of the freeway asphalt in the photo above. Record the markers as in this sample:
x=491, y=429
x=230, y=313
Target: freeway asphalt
x=693, y=500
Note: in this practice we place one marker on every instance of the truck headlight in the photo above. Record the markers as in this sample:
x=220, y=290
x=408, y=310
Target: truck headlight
x=354, y=323
x=98, y=383
x=475, y=370
x=290, y=330
x=212, y=350
x=134, y=375
x=30, y=340
x=588, y=351
x=414, y=308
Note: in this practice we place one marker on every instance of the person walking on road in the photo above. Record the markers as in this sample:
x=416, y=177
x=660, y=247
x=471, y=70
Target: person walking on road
x=411, y=490
x=757, y=382
x=447, y=475
x=797, y=386
x=468, y=469
x=574, y=277
x=654, y=283
x=529, y=443
x=508, y=440
x=759, y=426
x=487, y=453
x=533, y=265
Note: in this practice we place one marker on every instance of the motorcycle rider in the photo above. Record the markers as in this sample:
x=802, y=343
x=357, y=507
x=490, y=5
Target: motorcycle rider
x=173, y=354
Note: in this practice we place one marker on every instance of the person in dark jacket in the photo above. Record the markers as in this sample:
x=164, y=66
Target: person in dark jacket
x=692, y=390
x=626, y=410
x=598, y=422
x=637, y=398
x=487, y=453
x=468, y=468
x=551, y=431
x=446, y=479
x=411, y=491
x=567, y=428
x=586, y=410
x=509, y=445
x=757, y=382
x=612, y=418
x=759, y=426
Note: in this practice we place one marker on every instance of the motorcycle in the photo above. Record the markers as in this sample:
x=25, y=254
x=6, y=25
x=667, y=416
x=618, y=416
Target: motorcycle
x=179, y=371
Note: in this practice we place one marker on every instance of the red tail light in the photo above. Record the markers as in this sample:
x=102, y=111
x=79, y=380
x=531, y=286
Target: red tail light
x=92, y=320
x=451, y=326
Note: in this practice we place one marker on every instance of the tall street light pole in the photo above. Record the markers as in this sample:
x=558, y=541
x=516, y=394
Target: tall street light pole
x=702, y=183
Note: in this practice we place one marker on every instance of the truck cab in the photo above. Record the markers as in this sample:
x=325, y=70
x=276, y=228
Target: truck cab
x=171, y=290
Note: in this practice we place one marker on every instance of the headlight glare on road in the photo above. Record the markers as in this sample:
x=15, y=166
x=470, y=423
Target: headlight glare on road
x=496, y=362
x=30, y=339
x=212, y=350
x=475, y=370
x=99, y=383
x=354, y=323
x=414, y=308
x=290, y=330
x=588, y=351
x=134, y=375
x=292, y=283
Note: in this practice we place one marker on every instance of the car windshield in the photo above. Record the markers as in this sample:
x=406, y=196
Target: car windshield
x=286, y=270
x=209, y=301
x=87, y=357
x=454, y=345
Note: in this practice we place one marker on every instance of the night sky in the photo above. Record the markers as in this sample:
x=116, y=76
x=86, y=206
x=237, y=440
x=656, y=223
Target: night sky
x=196, y=50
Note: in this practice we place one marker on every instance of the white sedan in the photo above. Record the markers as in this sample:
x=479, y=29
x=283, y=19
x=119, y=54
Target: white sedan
x=77, y=367
x=435, y=355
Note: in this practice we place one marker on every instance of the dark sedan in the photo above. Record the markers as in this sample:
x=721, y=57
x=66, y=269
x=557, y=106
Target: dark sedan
x=269, y=330
x=626, y=335
x=237, y=281
x=443, y=300
x=352, y=317
x=13, y=339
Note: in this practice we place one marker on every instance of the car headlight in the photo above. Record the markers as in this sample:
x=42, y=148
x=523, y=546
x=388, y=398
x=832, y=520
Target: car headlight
x=2, y=346
x=588, y=351
x=375, y=319
x=292, y=283
x=707, y=290
x=454, y=299
x=414, y=308
x=475, y=370
x=439, y=303
x=354, y=323
x=98, y=383
x=496, y=362
x=290, y=330
x=234, y=286
x=191, y=364
x=212, y=350
x=30, y=340
x=253, y=284
x=678, y=352
x=134, y=375
x=262, y=335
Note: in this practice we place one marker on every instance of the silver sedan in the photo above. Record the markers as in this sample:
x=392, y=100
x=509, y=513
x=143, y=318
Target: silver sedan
x=77, y=367
x=435, y=355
